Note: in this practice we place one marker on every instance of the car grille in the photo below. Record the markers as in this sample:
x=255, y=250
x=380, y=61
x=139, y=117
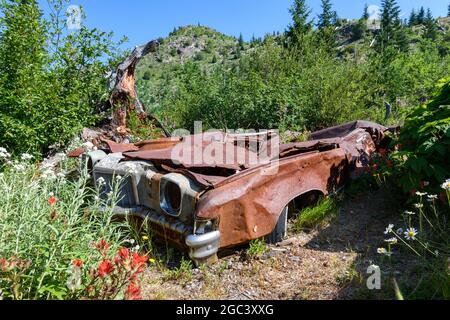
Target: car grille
x=127, y=196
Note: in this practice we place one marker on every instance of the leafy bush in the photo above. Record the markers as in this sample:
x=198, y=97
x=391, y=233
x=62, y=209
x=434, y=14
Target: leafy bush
x=51, y=79
x=48, y=221
x=425, y=141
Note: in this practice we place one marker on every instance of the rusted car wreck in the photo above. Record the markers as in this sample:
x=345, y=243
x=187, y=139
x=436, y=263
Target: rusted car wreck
x=244, y=189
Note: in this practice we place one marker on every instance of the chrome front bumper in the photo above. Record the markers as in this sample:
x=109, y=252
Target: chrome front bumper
x=202, y=248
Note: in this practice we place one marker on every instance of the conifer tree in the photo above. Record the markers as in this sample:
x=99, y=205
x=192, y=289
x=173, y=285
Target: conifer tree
x=430, y=25
x=421, y=16
x=366, y=15
x=392, y=32
x=412, y=18
x=327, y=16
x=301, y=24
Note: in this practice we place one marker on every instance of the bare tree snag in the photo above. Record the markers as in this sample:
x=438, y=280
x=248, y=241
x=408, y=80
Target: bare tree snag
x=124, y=98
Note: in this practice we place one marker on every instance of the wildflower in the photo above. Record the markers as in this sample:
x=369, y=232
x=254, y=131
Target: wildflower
x=432, y=197
x=101, y=181
x=48, y=174
x=97, y=198
x=418, y=205
x=52, y=201
x=19, y=167
x=105, y=268
x=124, y=253
x=133, y=292
x=381, y=251
x=26, y=157
x=145, y=238
x=77, y=263
x=152, y=261
x=421, y=194
x=389, y=229
x=110, y=194
x=411, y=234
x=409, y=213
x=399, y=231
x=446, y=185
x=4, y=154
x=74, y=281
x=392, y=241
x=138, y=262
x=102, y=246
x=118, y=178
x=61, y=175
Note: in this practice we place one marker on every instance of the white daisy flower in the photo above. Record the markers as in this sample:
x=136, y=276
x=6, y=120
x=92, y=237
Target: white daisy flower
x=421, y=194
x=411, y=234
x=418, y=205
x=446, y=185
x=389, y=229
x=409, y=213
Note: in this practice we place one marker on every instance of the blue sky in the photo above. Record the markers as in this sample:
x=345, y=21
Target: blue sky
x=143, y=20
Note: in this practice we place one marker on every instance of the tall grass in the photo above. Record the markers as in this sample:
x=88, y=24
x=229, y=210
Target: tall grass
x=315, y=215
x=46, y=222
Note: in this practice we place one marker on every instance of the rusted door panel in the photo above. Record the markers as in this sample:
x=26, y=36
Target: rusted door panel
x=249, y=208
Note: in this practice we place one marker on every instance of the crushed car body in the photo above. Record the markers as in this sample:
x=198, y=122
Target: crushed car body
x=216, y=201
x=216, y=190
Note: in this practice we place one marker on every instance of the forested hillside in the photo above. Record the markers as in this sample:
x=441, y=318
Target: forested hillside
x=322, y=71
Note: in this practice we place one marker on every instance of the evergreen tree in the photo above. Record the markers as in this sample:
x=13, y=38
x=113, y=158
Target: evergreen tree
x=448, y=12
x=392, y=32
x=412, y=18
x=366, y=15
x=327, y=17
x=301, y=25
x=241, y=42
x=421, y=16
x=326, y=25
x=430, y=25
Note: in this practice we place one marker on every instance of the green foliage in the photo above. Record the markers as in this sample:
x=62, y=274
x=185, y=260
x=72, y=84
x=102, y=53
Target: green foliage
x=182, y=272
x=48, y=92
x=301, y=25
x=425, y=141
x=312, y=216
x=256, y=249
x=46, y=222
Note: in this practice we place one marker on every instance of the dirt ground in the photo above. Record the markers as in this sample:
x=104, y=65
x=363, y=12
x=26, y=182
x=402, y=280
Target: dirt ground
x=327, y=263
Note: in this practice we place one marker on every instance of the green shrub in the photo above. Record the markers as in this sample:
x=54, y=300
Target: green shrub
x=48, y=221
x=256, y=249
x=425, y=142
x=50, y=82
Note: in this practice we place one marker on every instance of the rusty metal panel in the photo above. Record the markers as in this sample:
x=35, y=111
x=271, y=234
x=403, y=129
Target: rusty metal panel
x=249, y=207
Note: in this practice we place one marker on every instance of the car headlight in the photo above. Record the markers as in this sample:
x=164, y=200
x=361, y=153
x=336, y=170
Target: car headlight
x=171, y=198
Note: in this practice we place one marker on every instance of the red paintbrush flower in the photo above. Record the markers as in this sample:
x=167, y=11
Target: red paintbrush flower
x=105, y=268
x=133, y=292
x=77, y=263
x=52, y=201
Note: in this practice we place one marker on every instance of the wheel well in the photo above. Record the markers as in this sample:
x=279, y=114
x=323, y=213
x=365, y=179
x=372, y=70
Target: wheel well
x=303, y=201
